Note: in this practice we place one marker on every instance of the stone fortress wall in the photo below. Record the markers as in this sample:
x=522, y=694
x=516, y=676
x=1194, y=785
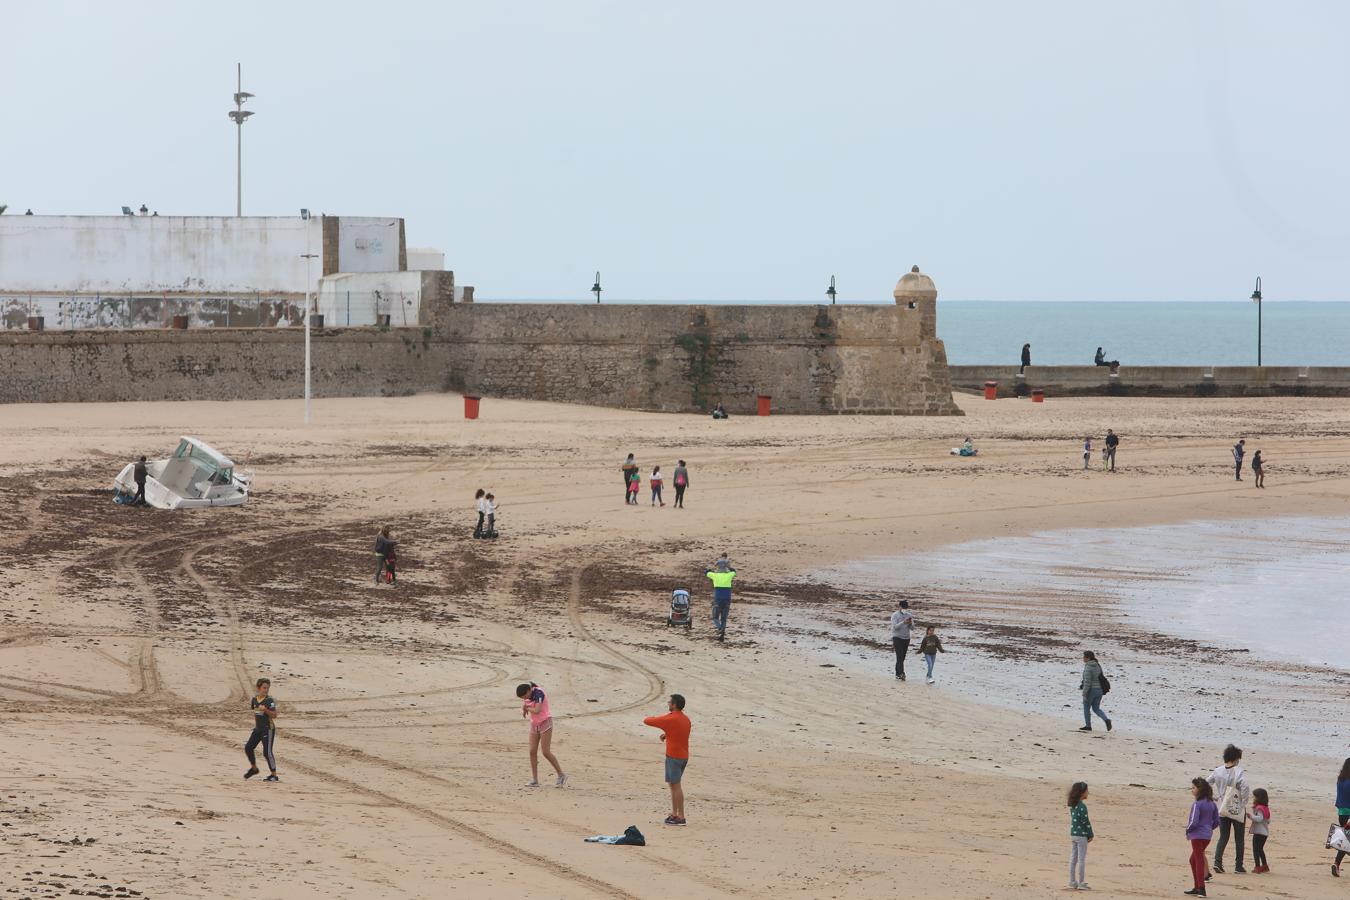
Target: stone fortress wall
x=679, y=358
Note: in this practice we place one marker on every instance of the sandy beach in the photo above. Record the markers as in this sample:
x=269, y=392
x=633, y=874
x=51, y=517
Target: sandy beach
x=131, y=639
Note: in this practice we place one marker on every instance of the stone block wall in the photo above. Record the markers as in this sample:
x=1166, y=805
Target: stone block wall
x=821, y=359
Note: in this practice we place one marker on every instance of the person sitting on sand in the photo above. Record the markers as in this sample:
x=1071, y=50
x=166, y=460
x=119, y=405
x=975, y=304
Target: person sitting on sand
x=720, y=411
x=966, y=449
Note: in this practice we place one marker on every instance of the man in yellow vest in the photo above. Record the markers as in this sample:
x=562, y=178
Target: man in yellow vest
x=721, y=576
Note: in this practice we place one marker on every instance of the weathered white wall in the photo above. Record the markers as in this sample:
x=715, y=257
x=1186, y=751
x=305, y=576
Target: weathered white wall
x=156, y=254
x=425, y=259
x=149, y=255
x=356, y=299
x=367, y=244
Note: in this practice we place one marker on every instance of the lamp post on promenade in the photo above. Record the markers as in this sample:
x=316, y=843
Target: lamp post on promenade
x=1256, y=298
x=239, y=114
x=831, y=291
x=595, y=288
x=309, y=258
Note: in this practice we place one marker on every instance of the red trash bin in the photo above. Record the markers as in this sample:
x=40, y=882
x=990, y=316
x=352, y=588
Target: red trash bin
x=991, y=390
x=471, y=406
x=762, y=402
x=1038, y=396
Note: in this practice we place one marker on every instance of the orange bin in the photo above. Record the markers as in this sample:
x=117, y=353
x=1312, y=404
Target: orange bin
x=991, y=390
x=1038, y=396
x=762, y=404
x=471, y=406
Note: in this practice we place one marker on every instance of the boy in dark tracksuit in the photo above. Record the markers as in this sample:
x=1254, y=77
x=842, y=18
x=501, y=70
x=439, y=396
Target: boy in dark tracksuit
x=264, y=731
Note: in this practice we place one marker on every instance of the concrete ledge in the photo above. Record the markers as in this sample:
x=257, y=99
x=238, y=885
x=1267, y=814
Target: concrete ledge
x=1159, y=381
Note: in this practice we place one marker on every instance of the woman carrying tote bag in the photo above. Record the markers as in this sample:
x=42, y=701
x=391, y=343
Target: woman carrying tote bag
x=1230, y=787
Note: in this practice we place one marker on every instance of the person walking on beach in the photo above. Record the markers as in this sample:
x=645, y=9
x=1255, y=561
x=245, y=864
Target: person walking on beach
x=1239, y=449
x=929, y=648
x=1080, y=835
x=1112, y=442
x=681, y=482
x=1229, y=784
x=139, y=473
x=1342, y=810
x=902, y=620
x=1087, y=452
x=1093, y=686
x=634, y=485
x=1200, y=831
x=1258, y=469
x=384, y=544
x=1260, y=817
x=534, y=707
x=657, y=481
x=1026, y=358
x=675, y=726
x=629, y=467
x=482, y=512
x=264, y=708
x=721, y=575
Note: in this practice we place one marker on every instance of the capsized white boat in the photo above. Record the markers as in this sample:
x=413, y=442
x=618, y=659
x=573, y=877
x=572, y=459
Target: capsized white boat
x=196, y=475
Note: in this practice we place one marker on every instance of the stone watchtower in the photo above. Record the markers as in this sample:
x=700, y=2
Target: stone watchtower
x=916, y=291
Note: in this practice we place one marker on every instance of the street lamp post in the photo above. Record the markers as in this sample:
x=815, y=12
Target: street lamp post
x=239, y=114
x=831, y=291
x=1256, y=298
x=595, y=288
x=308, y=257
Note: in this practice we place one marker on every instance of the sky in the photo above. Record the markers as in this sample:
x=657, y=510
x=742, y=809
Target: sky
x=735, y=149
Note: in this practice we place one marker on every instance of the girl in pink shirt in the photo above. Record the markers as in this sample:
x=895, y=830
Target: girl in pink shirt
x=535, y=708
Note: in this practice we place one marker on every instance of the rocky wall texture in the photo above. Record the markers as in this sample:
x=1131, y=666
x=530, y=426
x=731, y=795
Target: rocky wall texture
x=216, y=364
x=823, y=359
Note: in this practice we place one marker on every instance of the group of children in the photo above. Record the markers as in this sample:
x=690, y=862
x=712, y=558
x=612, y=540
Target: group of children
x=1235, y=807
x=632, y=483
x=487, y=515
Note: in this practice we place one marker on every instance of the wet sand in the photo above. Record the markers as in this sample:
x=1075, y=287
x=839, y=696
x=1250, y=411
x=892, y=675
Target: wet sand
x=130, y=639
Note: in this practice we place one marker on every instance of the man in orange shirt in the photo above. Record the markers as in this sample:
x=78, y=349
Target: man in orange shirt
x=674, y=727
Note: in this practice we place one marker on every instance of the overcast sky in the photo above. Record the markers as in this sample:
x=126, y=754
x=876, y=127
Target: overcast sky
x=719, y=150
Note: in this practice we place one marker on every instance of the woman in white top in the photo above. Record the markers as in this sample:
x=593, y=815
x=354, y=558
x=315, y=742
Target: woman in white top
x=482, y=513
x=657, y=480
x=490, y=507
x=1230, y=774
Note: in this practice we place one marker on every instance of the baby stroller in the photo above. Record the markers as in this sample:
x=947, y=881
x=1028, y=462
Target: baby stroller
x=679, y=609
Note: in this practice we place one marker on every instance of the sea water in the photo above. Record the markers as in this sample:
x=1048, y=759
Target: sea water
x=1262, y=600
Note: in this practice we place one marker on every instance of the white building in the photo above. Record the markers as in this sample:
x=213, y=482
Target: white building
x=139, y=271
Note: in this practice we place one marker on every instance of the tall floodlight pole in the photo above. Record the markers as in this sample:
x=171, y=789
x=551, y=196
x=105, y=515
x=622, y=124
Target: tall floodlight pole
x=595, y=288
x=309, y=257
x=239, y=114
x=831, y=292
x=1256, y=298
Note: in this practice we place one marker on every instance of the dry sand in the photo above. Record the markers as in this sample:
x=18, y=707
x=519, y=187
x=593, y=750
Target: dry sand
x=131, y=638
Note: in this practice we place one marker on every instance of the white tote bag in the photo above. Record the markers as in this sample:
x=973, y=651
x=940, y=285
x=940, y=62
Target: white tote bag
x=1338, y=839
x=1230, y=807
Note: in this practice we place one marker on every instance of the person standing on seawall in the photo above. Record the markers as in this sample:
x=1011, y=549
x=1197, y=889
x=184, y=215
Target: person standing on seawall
x=1091, y=686
x=1026, y=357
x=681, y=482
x=1229, y=782
x=902, y=620
x=1112, y=442
x=1239, y=449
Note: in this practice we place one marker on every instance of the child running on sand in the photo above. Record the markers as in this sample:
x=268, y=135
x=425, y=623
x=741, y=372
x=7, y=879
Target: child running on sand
x=929, y=648
x=657, y=480
x=264, y=730
x=634, y=485
x=535, y=708
x=1260, y=816
x=1080, y=835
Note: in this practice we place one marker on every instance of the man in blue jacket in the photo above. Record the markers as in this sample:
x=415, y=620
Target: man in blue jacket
x=721, y=576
